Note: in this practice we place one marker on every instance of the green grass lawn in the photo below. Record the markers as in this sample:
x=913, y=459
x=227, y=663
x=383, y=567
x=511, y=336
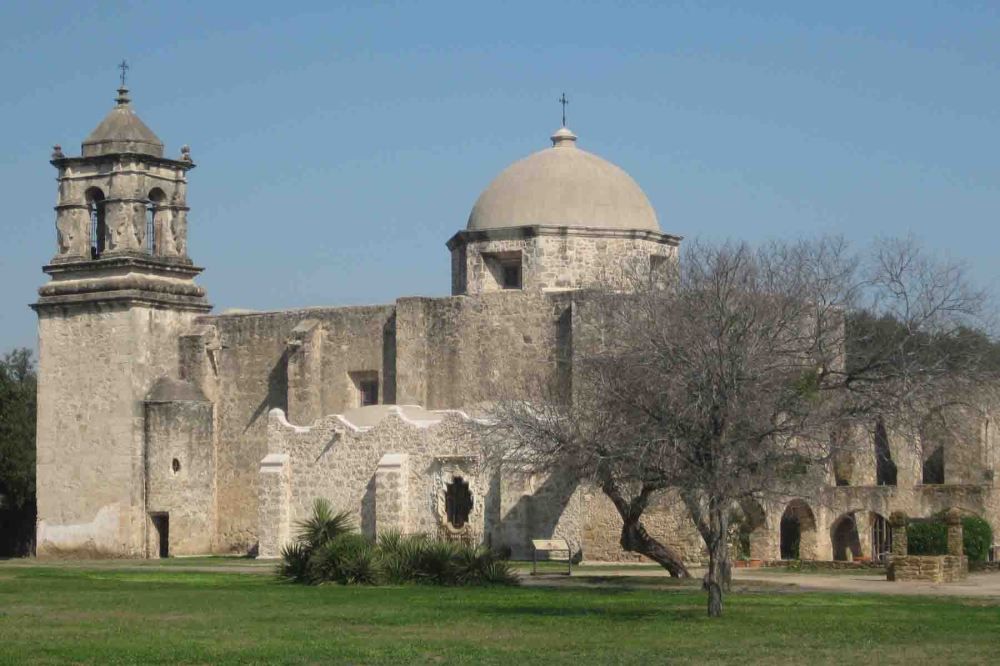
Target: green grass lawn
x=64, y=614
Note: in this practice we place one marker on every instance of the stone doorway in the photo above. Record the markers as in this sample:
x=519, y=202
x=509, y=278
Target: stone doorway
x=798, y=532
x=160, y=536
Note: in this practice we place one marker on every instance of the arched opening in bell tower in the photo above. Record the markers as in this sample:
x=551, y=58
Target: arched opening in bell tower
x=154, y=203
x=98, y=226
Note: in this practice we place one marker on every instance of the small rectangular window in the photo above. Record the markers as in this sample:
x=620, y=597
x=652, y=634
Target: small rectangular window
x=511, y=274
x=503, y=270
x=366, y=387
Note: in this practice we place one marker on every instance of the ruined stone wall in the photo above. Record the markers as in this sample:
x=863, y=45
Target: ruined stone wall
x=96, y=363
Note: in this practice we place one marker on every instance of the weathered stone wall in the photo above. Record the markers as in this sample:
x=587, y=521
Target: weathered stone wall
x=180, y=473
x=96, y=363
x=252, y=379
x=355, y=468
x=665, y=519
x=338, y=461
x=551, y=258
x=460, y=351
x=928, y=568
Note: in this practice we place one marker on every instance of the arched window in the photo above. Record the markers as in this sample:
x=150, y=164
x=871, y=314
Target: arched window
x=885, y=468
x=98, y=227
x=154, y=201
x=457, y=502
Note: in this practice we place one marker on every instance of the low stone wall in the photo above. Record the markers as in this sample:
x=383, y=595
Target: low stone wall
x=824, y=565
x=929, y=568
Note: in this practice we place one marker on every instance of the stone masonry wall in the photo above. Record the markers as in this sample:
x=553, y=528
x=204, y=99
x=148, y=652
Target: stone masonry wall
x=252, y=380
x=182, y=431
x=96, y=362
x=553, y=261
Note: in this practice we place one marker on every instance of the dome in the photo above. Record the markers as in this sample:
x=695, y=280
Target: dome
x=122, y=131
x=563, y=186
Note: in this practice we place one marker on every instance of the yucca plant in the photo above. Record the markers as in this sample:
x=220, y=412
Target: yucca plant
x=347, y=559
x=294, y=566
x=323, y=525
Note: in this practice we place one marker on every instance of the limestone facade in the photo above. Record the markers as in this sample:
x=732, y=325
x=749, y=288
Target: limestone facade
x=163, y=428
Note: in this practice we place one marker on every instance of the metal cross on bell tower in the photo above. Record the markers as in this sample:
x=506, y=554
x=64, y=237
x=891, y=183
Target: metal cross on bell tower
x=124, y=67
x=562, y=100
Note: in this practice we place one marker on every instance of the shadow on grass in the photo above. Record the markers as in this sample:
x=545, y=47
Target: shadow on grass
x=684, y=613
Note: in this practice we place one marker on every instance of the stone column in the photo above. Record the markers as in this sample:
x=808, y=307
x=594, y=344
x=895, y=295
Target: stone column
x=898, y=521
x=953, y=519
x=274, y=508
x=391, y=493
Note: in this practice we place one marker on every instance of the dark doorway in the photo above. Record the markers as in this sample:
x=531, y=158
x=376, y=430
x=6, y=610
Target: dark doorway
x=846, y=542
x=161, y=523
x=798, y=532
x=791, y=537
x=881, y=537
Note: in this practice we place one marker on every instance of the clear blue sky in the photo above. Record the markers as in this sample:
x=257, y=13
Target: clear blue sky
x=339, y=147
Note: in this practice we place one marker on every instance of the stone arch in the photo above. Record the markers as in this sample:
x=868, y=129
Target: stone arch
x=98, y=224
x=752, y=531
x=155, y=201
x=845, y=538
x=798, y=532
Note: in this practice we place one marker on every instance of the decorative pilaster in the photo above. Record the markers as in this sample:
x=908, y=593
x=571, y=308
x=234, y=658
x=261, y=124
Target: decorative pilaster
x=274, y=510
x=391, y=493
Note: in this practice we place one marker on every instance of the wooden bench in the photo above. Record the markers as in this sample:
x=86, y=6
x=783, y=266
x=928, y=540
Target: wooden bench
x=550, y=546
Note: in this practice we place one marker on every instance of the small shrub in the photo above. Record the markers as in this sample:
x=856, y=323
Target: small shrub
x=977, y=538
x=927, y=538
x=931, y=538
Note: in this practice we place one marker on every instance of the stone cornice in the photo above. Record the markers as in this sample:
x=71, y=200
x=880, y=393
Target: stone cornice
x=123, y=297
x=515, y=233
x=118, y=157
x=181, y=267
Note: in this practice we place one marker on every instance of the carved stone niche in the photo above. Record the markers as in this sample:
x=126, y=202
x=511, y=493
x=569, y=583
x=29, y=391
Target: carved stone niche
x=459, y=498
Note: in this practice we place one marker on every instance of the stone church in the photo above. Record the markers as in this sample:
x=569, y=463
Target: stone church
x=164, y=429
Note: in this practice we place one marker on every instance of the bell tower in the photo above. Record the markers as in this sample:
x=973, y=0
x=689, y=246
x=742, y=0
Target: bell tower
x=121, y=291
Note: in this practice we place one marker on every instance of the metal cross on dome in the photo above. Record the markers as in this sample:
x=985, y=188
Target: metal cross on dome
x=124, y=67
x=562, y=100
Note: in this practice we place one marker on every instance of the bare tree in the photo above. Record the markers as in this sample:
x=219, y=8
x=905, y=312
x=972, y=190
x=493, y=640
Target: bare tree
x=736, y=373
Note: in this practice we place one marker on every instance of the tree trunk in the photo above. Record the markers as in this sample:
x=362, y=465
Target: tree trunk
x=718, y=574
x=635, y=538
